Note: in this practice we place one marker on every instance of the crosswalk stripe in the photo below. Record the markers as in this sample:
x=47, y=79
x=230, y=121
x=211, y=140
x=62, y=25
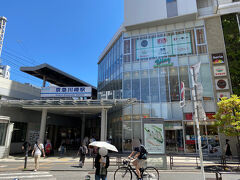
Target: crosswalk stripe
x=24, y=173
x=37, y=176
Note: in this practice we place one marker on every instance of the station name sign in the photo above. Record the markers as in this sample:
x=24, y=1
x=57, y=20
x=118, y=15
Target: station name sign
x=66, y=91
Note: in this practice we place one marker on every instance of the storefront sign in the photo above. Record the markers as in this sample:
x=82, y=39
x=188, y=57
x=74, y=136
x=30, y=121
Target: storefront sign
x=164, y=46
x=222, y=94
x=164, y=61
x=154, y=138
x=66, y=91
x=173, y=126
x=218, y=58
x=221, y=84
x=219, y=71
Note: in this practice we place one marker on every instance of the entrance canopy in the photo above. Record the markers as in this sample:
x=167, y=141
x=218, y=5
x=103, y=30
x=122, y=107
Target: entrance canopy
x=68, y=107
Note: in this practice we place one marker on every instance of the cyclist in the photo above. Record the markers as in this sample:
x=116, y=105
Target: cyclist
x=139, y=153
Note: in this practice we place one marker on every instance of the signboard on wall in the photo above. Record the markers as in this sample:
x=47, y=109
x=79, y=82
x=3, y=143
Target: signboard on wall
x=164, y=46
x=218, y=58
x=163, y=62
x=66, y=91
x=153, y=133
x=219, y=71
x=221, y=84
x=222, y=94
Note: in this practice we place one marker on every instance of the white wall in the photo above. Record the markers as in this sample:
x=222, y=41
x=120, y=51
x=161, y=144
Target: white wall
x=186, y=7
x=143, y=11
x=13, y=89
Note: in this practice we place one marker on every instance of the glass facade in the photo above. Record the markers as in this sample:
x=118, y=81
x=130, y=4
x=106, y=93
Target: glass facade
x=150, y=67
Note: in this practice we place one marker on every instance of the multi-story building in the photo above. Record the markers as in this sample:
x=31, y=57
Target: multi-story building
x=149, y=56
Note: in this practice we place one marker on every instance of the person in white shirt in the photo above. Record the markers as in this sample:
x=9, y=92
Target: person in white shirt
x=37, y=152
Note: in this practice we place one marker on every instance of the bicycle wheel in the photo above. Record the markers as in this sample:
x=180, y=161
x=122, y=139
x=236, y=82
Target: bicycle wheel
x=123, y=173
x=150, y=173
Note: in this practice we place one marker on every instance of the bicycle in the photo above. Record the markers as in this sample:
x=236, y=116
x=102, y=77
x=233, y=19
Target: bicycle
x=125, y=172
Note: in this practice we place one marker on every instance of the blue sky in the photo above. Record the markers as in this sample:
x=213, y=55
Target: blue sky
x=67, y=34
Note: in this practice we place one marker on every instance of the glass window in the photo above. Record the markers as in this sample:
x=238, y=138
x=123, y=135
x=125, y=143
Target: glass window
x=136, y=130
x=174, y=84
x=164, y=86
x=127, y=46
x=201, y=41
x=183, y=72
x=3, y=132
x=154, y=86
x=19, y=132
x=127, y=85
x=127, y=136
x=136, y=85
x=155, y=110
x=206, y=80
x=144, y=86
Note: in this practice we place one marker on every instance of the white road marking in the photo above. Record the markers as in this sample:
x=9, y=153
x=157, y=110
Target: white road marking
x=37, y=176
x=24, y=173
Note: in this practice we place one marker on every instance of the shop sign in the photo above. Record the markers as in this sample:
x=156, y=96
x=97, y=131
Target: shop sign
x=219, y=71
x=210, y=115
x=173, y=126
x=164, y=46
x=154, y=138
x=165, y=61
x=222, y=94
x=218, y=58
x=66, y=91
x=221, y=84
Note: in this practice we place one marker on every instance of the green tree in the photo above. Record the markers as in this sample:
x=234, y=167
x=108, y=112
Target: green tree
x=228, y=116
x=232, y=42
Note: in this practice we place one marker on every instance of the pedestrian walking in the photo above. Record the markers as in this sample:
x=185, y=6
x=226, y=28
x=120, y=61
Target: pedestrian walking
x=101, y=164
x=26, y=147
x=48, y=148
x=38, y=150
x=62, y=149
x=228, y=151
x=83, y=150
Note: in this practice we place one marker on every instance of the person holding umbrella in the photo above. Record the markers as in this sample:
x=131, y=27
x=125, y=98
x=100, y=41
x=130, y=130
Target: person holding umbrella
x=101, y=164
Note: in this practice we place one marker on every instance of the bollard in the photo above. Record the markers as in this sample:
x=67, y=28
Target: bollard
x=87, y=177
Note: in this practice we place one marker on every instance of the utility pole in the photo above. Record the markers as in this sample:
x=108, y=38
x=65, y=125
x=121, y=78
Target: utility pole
x=196, y=113
x=3, y=22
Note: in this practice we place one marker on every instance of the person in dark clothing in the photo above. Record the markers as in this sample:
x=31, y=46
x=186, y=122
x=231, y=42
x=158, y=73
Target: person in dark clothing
x=26, y=147
x=83, y=150
x=101, y=164
x=228, y=151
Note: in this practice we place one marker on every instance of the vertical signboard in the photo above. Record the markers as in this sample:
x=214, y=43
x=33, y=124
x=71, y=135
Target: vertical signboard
x=153, y=133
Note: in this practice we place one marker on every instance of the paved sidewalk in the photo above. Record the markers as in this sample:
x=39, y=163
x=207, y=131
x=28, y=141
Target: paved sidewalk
x=185, y=168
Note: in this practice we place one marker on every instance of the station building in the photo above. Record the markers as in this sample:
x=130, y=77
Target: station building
x=148, y=58
x=62, y=118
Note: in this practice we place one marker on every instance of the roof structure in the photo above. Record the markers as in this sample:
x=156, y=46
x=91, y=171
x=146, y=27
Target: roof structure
x=55, y=76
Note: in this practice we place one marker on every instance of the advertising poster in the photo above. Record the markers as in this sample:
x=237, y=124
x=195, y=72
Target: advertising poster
x=221, y=84
x=219, y=71
x=218, y=58
x=164, y=46
x=222, y=94
x=154, y=138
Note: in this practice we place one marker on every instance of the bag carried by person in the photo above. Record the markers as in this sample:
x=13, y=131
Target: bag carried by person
x=103, y=170
x=143, y=152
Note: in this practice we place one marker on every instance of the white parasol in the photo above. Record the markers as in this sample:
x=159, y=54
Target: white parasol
x=104, y=144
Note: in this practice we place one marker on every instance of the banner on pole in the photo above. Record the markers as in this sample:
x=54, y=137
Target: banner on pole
x=182, y=102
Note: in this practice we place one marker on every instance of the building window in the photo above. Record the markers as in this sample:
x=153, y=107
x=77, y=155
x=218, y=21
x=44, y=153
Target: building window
x=172, y=8
x=201, y=41
x=19, y=132
x=3, y=132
